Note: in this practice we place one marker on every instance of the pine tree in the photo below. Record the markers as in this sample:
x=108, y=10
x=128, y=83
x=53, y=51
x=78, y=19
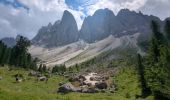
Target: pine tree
x=145, y=89
x=156, y=42
x=1, y=51
x=40, y=68
x=33, y=63
x=157, y=70
x=4, y=55
x=156, y=32
x=167, y=29
x=18, y=55
x=20, y=50
x=56, y=69
x=77, y=67
x=44, y=68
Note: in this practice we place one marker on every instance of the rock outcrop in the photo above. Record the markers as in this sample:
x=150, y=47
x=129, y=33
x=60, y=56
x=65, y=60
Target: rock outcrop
x=104, y=23
x=68, y=87
x=61, y=33
x=99, y=26
x=90, y=83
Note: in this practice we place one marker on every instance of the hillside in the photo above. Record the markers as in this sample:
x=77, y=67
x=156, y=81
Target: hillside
x=63, y=43
x=84, y=50
x=30, y=89
x=81, y=51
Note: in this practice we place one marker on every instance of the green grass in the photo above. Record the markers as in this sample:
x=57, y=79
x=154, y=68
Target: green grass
x=128, y=83
x=32, y=90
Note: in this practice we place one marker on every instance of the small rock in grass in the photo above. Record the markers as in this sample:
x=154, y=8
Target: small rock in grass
x=1, y=78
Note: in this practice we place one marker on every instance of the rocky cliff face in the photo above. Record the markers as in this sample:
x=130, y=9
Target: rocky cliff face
x=95, y=28
x=61, y=33
x=99, y=33
x=104, y=23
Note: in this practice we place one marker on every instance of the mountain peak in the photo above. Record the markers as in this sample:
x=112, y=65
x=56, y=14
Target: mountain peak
x=49, y=25
x=67, y=14
x=124, y=12
x=68, y=18
x=103, y=12
x=61, y=33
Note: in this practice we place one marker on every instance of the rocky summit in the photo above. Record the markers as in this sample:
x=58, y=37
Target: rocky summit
x=62, y=42
x=61, y=33
x=104, y=23
x=95, y=28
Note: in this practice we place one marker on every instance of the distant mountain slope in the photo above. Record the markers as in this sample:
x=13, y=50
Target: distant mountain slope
x=104, y=23
x=63, y=43
x=61, y=33
x=96, y=27
x=81, y=51
x=10, y=42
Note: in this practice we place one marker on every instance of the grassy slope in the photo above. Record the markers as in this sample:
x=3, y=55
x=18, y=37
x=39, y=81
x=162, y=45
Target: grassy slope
x=31, y=90
x=128, y=84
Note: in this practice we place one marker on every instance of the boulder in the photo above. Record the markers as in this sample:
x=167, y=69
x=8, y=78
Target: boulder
x=61, y=83
x=66, y=76
x=92, y=79
x=1, y=78
x=105, y=77
x=101, y=85
x=68, y=87
x=82, y=77
x=73, y=79
x=42, y=78
x=89, y=90
x=85, y=90
x=19, y=79
x=18, y=75
x=34, y=73
x=89, y=84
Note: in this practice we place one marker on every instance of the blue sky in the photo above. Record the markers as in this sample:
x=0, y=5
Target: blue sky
x=25, y=17
x=80, y=4
x=14, y=3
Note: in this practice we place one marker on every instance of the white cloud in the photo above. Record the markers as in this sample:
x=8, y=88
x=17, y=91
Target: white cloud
x=6, y=28
x=115, y=5
x=18, y=21
x=160, y=8
x=40, y=14
x=55, y=7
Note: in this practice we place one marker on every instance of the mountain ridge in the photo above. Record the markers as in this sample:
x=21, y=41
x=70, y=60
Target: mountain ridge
x=100, y=33
x=60, y=33
x=94, y=28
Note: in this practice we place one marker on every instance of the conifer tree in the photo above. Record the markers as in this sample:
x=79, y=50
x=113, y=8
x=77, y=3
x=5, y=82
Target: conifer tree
x=40, y=68
x=145, y=89
x=44, y=68
x=167, y=29
x=157, y=70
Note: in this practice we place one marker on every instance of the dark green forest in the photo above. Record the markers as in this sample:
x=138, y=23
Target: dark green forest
x=18, y=55
x=154, y=68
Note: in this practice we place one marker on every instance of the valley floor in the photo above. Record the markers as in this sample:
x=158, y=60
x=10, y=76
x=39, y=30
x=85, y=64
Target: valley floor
x=30, y=89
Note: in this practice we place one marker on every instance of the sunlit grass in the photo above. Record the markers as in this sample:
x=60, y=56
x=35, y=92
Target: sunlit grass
x=32, y=90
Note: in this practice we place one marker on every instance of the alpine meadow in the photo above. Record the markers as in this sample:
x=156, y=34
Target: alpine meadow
x=84, y=50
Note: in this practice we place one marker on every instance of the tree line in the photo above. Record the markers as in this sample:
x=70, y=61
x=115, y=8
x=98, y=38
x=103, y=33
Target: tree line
x=18, y=55
x=154, y=68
